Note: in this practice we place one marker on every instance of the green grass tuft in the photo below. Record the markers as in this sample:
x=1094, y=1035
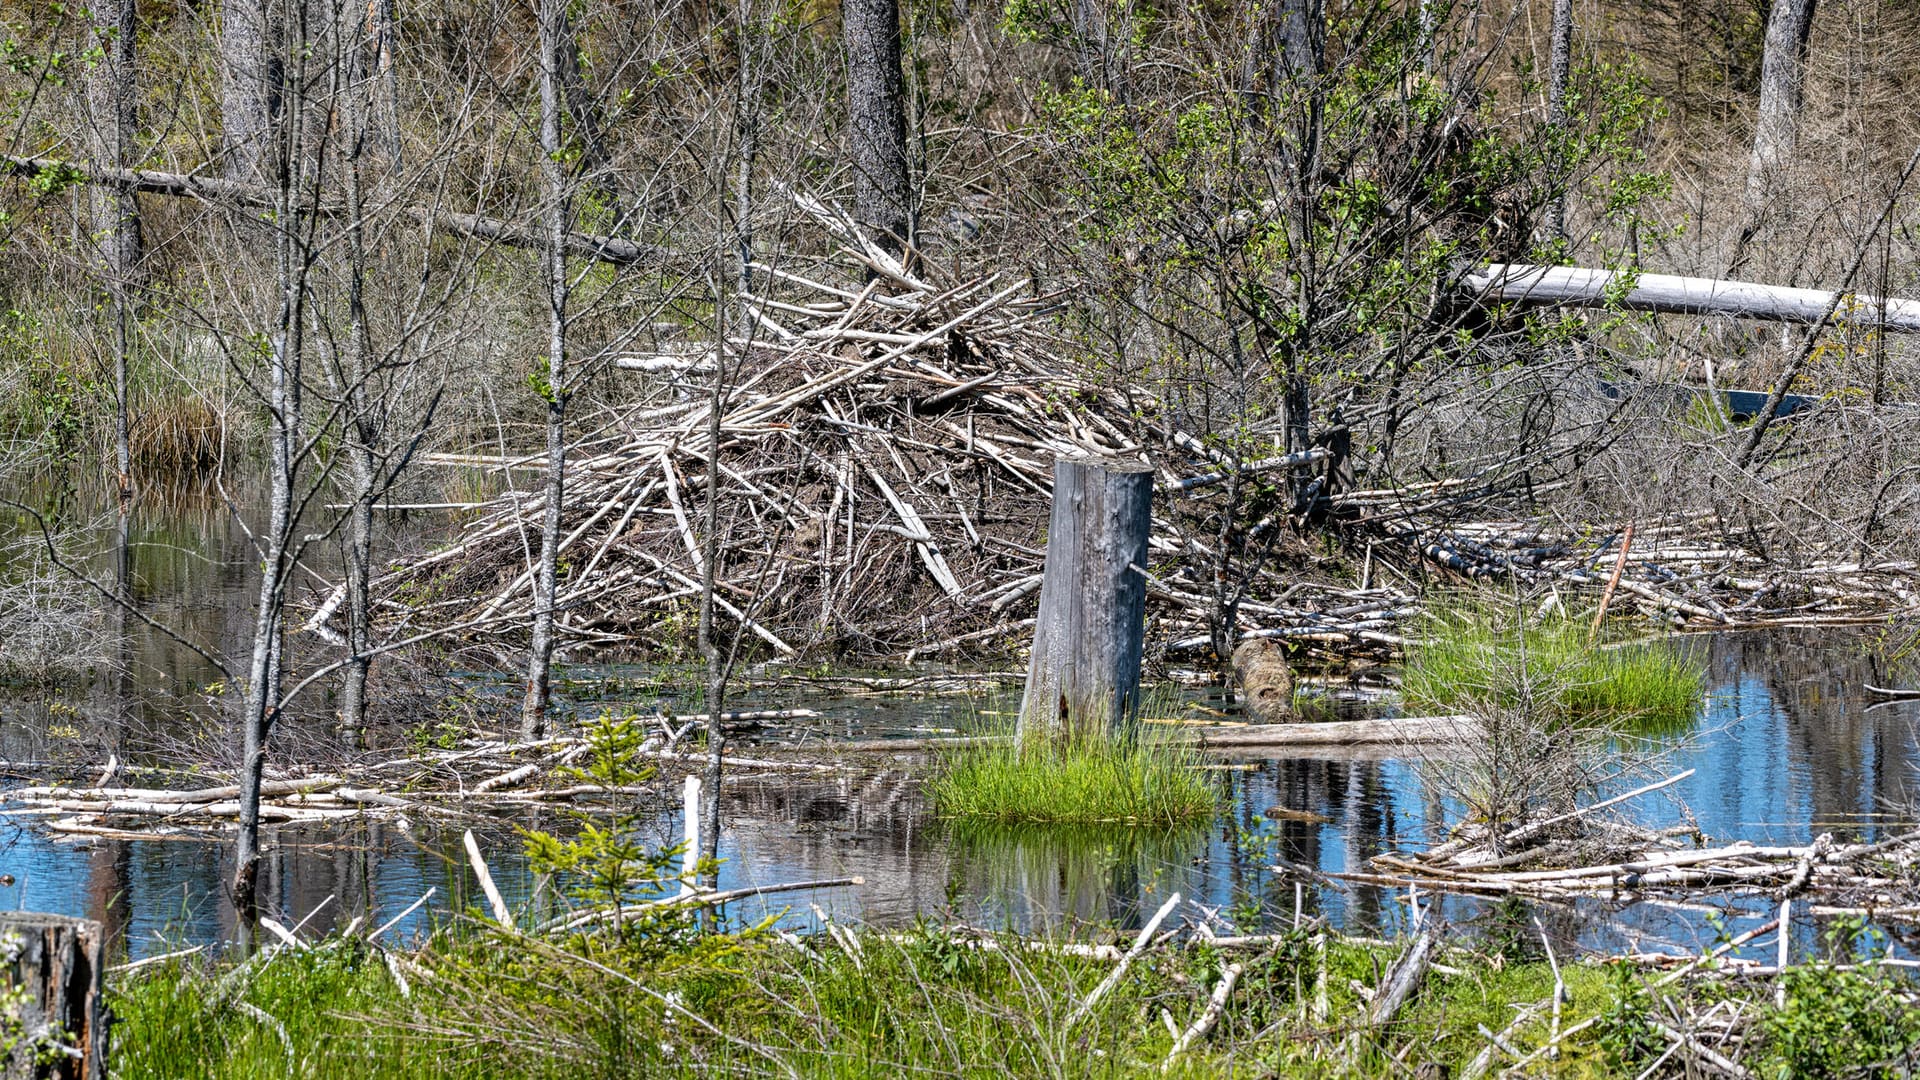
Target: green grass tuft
x=1479, y=657
x=1144, y=781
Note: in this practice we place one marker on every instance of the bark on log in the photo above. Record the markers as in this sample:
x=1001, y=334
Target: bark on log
x=1518, y=283
x=1404, y=977
x=56, y=1014
x=1088, y=637
x=1783, y=67
x=877, y=122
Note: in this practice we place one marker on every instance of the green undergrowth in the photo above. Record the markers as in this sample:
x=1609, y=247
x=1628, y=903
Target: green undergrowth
x=937, y=1002
x=1476, y=657
x=1147, y=780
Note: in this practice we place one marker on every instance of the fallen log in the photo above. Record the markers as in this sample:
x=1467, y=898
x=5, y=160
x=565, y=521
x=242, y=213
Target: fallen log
x=1577, y=286
x=1404, y=976
x=211, y=189
x=1388, y=731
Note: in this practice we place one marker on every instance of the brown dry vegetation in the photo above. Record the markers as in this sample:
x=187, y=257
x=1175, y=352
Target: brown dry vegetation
x=1002, y=186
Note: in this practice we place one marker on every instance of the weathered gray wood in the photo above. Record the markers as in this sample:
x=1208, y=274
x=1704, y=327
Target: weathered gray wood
x=1666, y=293
x=1783, y=67
x=56, y=1012
x=1388, y=731
x=1394, y=733
x=1088, y=636
x=1403, y=978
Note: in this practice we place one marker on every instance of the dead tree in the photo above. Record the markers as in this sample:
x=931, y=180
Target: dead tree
x=553, y=269
x=115, y=213
x=1776, y=129
x=363, y=418
x=294, y=176
x=877, y=122
x=249, y=86
x=57, y=966
x=1560, y=70
x=1084, y=681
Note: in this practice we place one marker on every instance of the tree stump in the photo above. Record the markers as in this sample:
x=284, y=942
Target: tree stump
x=55, y=1021
x=1085, y=674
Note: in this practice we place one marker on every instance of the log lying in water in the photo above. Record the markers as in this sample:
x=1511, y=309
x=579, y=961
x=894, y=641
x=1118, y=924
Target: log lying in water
x=1673, y=295
x=1389, y=731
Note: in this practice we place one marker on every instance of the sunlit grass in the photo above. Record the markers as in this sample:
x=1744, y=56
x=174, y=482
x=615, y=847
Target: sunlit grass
x=1474, y=656
x=1086, y=781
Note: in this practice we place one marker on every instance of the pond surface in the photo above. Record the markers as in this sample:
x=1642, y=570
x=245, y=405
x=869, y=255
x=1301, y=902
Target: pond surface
x=1784, y=748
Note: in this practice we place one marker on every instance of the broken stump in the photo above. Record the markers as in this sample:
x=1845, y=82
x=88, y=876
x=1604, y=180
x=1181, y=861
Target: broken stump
x=1084, y=678
x=55, y=1022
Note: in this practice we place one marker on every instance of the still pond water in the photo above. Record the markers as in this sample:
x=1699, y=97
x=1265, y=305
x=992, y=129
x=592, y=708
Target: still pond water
x=1784, y=748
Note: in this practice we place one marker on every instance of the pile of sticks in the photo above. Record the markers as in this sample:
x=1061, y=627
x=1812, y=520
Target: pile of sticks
x=1840, y=877
x=473, y=780
x=1685, y=571
x=1540, y=859
x=885, y=447
x=885, y=456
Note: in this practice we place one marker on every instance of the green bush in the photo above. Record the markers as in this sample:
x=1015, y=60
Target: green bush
x=1839, y=1022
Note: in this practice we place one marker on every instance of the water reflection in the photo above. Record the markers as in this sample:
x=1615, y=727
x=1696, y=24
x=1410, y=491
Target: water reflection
x=1786, y=748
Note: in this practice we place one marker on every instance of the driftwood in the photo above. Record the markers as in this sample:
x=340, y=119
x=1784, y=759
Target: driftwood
x=1140, y=944
x=1404, y=976
x=1388, y=731
x=478, y=778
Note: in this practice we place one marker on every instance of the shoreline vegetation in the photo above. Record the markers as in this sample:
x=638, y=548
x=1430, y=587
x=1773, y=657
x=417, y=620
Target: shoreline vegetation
x=1475, y=655
x=750, y=336
x=1178, y=997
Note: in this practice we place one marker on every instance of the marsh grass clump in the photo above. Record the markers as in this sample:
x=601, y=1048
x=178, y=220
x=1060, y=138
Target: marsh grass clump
x=1643, y=685
x=1074, y=781
x=1561, y=719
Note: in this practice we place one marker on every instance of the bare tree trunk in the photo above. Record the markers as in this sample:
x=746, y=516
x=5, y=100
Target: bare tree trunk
x=710, y=650
x=1560, y=69
x=262, y=703
x=1783, y=70
x=363, y=434
x=249, y=90
x=720, y=662
x=1287, y=43
x=111, y=98
x=1099, y=48
x=380, y=43
x=588, y=127
x=1300, y=40
x=533, y=716
x=877, y=122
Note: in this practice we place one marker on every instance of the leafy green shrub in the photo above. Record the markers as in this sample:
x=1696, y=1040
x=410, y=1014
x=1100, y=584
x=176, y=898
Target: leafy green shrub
x=1839, y=1022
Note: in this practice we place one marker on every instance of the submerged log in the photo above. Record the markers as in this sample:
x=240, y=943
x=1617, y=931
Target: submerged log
x=1090, y=632
x=56, y=1017
x=1519, y=283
